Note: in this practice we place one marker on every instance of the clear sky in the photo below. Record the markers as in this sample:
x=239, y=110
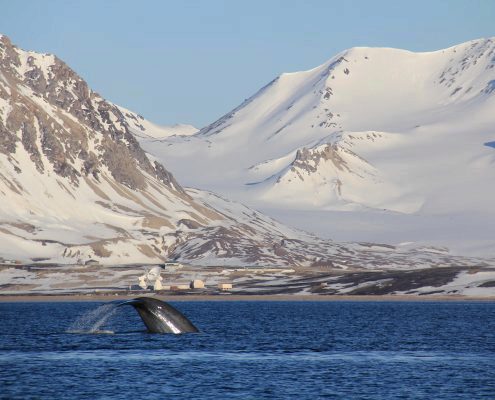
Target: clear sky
x=192, y=61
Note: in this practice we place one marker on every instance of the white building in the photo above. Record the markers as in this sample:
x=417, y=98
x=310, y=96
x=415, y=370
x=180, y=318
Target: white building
x=143, y=284
x=158, y=283
x=225, y=286
x=172, y=266
x=197, y=284
x=151, y=279
x=179, y=286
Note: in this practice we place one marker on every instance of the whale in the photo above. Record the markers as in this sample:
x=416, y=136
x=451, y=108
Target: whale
x=160, y=317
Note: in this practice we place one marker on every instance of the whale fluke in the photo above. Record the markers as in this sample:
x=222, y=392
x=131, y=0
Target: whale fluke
x=160, y=317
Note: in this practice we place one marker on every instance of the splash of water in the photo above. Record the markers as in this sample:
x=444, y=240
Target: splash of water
x=92, y=320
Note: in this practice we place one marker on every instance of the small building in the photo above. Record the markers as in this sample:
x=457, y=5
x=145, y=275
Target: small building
x=142, y=282
x=179, y=286
x=172, y=265
x=225, y=286
x=197, y=284
x=158, y=283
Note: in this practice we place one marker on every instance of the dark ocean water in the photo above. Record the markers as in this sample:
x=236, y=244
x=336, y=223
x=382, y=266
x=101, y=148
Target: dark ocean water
x=254, y=350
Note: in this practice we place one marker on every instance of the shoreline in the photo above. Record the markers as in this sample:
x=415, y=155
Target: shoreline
x=233, y=297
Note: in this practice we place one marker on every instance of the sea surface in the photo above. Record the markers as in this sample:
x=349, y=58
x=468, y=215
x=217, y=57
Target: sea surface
x=251, y=350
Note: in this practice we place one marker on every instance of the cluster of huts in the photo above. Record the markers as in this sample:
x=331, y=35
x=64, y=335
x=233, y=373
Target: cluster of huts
x=152, y=280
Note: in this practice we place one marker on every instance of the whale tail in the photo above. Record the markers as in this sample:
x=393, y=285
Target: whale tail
x=160, y=317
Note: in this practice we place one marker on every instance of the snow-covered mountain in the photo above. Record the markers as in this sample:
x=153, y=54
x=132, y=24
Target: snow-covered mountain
x=74, y=182
x=76, y=185
x=145, y=130
x=379, y=133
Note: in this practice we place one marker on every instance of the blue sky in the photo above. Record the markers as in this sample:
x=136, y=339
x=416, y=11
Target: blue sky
x=192, y=61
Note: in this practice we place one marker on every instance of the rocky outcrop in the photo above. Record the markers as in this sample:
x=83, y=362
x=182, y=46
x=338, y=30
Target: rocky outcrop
x=85, y=129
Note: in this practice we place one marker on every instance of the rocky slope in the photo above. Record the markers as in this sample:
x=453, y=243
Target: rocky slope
x=74, y=181
x=76, y=185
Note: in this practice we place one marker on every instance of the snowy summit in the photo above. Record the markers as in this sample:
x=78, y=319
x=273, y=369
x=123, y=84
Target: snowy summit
x=372, y=130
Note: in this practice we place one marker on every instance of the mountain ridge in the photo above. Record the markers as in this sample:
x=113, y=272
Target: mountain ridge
x=75, y=185
x=371, y=129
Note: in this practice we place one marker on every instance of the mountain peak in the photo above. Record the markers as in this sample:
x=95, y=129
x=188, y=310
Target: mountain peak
x=378, y=129
x=67, y=124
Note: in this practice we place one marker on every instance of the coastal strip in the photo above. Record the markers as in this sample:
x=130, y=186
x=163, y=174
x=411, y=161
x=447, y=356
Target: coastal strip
x=234, y=297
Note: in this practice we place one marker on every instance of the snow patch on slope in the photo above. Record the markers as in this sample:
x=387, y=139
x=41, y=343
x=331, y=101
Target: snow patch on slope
x=146, y=130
